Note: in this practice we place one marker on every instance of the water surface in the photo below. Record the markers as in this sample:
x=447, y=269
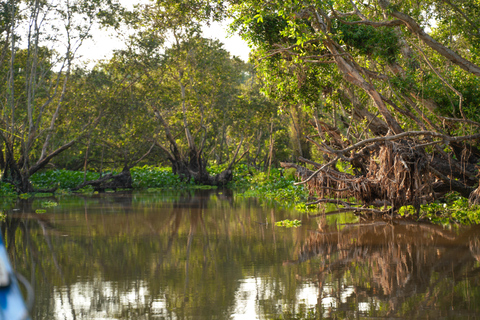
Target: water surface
x=212, y=255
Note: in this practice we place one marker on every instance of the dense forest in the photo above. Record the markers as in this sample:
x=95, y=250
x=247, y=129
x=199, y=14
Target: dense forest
x=374, y=100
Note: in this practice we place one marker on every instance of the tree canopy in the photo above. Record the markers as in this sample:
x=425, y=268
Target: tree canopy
x=39, y=41
x=169, y=95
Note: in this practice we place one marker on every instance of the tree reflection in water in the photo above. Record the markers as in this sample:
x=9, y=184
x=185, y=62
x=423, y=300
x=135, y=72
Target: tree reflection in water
x=142, y=256
x=209, y=255
x=406, y=269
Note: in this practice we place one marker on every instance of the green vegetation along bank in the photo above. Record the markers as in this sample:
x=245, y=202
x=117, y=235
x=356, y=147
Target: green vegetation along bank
x=270, y=188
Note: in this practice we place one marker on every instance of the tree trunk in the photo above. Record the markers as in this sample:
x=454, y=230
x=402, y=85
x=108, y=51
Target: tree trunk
x=194, y=169
x=122, y=180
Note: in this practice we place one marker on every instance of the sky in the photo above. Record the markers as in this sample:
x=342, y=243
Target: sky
x=233, y=43
x=103, y=43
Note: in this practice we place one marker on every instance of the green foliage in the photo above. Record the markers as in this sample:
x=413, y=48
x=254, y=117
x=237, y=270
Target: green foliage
x=276, y=187
x=452, y=209
x=346, y=167
x=289, y=223
x=7, y=190
x=43, y=194
x=369, y=41
x=265, y=30
x=459, y=25
x=289, y=173
x=406, y=211
x=63, y=179
x=216, y=168
x=242, y=176
x=155, y=177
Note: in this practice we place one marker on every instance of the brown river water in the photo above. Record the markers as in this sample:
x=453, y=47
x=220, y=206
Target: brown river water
x=215, y=255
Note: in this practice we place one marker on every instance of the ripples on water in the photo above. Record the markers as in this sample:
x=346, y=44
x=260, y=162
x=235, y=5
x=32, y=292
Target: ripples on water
x=210, y=255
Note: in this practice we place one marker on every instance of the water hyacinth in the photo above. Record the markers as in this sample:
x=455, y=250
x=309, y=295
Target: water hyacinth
x=278, y=187
x=157, y=177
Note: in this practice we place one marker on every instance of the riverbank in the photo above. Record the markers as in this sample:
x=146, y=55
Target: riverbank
x=275, y=186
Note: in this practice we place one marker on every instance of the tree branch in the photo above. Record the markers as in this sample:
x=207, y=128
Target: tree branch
x=39, y=165
x=415, y=28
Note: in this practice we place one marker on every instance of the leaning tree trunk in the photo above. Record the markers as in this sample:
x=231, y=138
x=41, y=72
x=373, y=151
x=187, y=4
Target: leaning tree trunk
x=122, y=180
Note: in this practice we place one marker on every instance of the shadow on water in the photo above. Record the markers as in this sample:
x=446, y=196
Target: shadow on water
x=209, y=255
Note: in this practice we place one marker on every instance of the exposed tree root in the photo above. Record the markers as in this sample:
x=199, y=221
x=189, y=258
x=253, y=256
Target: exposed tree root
x=392, y=174
x=122, y=180
x=474, y=197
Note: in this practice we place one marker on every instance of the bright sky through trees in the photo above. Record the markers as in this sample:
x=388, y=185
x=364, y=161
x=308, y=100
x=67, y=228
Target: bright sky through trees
x=104, y=41
x=233, y=43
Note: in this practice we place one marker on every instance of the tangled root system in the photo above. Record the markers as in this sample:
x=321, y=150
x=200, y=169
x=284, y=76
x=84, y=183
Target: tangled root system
x=395, y=173
x=474, y=198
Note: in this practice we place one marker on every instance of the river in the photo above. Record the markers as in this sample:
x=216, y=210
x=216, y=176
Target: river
x=214, y=255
